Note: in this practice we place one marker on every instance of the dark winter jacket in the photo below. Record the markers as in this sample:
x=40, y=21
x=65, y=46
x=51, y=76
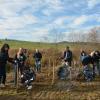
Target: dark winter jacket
x=96, y=57
x=87, y=60
x=68, y=55
x=37, y=56
x=21, y=59
x=4, y=57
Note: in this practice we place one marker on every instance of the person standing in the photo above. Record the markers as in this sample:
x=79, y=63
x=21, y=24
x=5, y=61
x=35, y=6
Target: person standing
x=20, y=58
x=96, y=61
x=68, y=56
x=97, y=53
x=4, y=57
x=83, y=54
x=37, y=56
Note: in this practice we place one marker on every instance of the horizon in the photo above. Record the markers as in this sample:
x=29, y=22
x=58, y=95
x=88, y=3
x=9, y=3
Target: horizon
x=43, y=20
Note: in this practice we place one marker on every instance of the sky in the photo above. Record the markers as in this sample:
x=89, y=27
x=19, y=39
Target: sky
x=42, y=20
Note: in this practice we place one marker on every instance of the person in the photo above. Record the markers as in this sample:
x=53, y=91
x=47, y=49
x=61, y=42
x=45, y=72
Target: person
x=20, y=59
x=82, y=55
x=68, y=56
x=4, y=57
x=63, y=71
x=37, y=56
x=96, y=61
x=28, y=77
x=86, y=62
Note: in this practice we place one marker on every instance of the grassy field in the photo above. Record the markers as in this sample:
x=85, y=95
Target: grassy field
x=33, y=45
x=43, y=89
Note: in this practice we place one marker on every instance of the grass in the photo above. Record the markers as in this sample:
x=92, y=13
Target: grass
x=14, y=44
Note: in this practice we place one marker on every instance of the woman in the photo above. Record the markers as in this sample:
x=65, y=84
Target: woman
x=82, y=55
x=20, y=58
x=4, y=57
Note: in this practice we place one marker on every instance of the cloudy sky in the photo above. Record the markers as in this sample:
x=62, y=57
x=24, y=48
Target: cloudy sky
x=35, y=20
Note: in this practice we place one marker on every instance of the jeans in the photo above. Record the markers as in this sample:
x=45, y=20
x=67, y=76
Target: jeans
x=38, y=66
x=87, y=73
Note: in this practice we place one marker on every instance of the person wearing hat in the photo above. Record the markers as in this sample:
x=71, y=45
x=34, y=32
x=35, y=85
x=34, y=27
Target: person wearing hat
x=4, y=57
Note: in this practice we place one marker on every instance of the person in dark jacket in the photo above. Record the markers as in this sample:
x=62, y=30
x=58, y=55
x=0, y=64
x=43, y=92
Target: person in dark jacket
x=4, y=57
x=68, y=56
x=86, y=61
x=28, y=77
x=63, y=71
x=96, y=62
x=92, y=59
x=97, y=53
x=37, y=56
x=20, y=58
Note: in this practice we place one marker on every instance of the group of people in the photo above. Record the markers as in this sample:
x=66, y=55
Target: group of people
x=19, y=60
x=91, y=64
x=21, y=56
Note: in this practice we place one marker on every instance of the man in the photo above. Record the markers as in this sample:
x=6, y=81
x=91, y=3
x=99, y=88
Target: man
x=68, y=56
x=37, y=56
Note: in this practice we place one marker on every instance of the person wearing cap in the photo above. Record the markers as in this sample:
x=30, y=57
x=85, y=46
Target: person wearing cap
x=4, y=57
x=37, y=56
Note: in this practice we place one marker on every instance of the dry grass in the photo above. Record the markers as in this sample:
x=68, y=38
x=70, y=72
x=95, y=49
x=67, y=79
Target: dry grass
x=42, y=88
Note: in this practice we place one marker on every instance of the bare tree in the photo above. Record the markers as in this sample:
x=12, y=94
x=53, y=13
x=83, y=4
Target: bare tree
x=94, y=35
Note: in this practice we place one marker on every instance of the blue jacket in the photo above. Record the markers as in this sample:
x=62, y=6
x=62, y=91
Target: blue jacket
x=87, y=60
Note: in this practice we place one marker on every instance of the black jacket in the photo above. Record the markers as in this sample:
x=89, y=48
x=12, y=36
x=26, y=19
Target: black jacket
x=4, y=57
x=37, y=56
x=68, y=55
x=87, y=60
x=21, y=58
x=96, y=58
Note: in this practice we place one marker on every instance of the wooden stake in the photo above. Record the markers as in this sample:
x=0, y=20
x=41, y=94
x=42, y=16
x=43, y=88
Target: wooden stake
x=53, y=78
x=17, y=76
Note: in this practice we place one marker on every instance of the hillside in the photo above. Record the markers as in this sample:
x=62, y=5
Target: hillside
x=15, y=44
